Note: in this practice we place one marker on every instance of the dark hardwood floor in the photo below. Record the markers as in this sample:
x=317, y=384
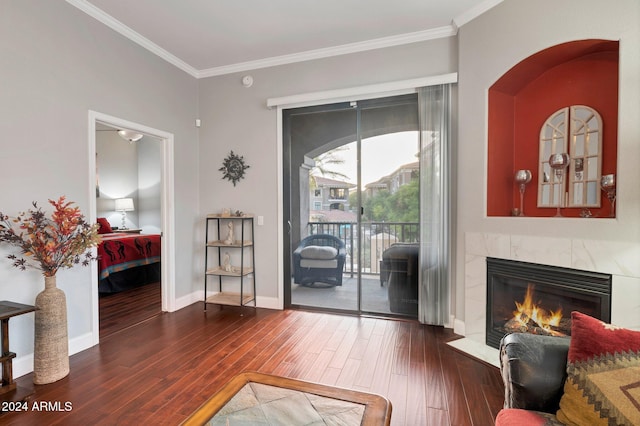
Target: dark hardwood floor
x=162, y=369
x=121, y=310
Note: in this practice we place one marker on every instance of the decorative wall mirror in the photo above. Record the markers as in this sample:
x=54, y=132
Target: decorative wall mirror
x=576, y=131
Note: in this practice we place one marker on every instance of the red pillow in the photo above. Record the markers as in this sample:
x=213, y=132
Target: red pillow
x=592, y=338
x=603, y=370
x=105, y=226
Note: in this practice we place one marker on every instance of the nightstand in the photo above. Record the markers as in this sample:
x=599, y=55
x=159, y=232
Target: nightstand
x=129, y=230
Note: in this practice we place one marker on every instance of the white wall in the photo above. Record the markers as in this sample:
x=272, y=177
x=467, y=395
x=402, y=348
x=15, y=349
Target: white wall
x=149, y=183
x=117, y=166
x=130, y=170
x=488, y=47
x=236, y=118
x=57, y=64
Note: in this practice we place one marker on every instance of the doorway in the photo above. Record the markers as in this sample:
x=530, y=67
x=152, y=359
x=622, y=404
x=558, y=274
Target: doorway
x=351, y=171
x=153, y=220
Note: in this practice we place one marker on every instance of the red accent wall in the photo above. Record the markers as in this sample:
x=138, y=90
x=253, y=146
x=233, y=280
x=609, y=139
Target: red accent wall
x=575, y=73
x=501, y=151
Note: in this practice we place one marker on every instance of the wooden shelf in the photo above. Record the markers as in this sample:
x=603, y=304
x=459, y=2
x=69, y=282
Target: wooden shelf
x=228, y=298
x=236, y=273
x=218, y=243
x=219, y=216
x=242, y=276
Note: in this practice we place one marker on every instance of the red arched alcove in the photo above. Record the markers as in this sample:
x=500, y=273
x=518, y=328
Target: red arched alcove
x=581, y=72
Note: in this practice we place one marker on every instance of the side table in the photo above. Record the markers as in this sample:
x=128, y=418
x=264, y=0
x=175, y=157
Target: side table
x=292, y=395
x=129, y=230
x=8, y=310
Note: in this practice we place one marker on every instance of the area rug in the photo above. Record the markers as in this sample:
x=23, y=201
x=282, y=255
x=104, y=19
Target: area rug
x=252, y=398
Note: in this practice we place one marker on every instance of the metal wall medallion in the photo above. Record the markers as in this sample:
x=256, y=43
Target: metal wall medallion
x=233, y=167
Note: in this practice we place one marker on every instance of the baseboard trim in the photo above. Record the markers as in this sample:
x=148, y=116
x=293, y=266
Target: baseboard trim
x=198, y=296
x=269, y=303
x=24, y=364
x=459, y=327
x=189, y=299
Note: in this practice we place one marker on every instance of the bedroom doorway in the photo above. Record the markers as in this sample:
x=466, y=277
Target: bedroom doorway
x=134, y=279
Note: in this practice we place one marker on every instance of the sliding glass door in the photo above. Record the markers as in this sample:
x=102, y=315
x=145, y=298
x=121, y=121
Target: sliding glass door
x=351, y=183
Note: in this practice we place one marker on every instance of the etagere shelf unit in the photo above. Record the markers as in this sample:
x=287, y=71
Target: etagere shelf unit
x=244, y=273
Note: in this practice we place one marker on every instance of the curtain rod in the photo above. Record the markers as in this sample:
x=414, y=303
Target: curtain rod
x=360, y=92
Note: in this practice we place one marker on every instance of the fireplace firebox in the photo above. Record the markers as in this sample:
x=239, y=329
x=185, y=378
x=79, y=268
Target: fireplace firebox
x=532, y=298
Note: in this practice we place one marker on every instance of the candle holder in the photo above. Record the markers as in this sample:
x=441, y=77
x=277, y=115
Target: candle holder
x=559, y=162
x=522, y=178
x=608, y=185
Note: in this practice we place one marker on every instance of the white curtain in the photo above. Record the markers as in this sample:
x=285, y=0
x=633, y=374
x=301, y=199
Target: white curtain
x=434, y=277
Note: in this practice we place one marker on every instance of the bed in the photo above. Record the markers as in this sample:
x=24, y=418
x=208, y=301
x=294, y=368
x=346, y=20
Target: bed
x=127, y=261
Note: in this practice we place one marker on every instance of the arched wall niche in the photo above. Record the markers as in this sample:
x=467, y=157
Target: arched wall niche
x=583, y=72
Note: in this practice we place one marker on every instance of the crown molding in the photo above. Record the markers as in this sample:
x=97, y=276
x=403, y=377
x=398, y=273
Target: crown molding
x=344, y=49
x=124, y=30
x=473, y=13
x=379, y=43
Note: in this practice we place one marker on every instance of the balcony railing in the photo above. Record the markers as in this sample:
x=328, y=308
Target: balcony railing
x=376, y=238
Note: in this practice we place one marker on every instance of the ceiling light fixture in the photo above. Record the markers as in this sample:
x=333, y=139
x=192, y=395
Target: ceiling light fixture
x=130, y=135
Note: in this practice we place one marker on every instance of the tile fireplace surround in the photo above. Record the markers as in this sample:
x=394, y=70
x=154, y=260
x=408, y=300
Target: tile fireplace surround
x=620, y=259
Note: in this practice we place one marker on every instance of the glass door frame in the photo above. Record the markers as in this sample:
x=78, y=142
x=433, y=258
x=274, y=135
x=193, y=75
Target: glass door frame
x=288, y=191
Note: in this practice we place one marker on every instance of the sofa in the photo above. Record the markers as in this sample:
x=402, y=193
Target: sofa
x=534, y=369
x=591, y=378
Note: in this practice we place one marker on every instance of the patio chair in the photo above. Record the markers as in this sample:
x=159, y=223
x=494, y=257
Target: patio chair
x=319, y=259
x=400, y=262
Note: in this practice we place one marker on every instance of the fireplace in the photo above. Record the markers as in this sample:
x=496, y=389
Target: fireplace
x=533, y=298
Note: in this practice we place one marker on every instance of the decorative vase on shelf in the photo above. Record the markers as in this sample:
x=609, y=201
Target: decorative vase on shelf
x=51, y=345
x=522, y=178
x=559, y=163
x=608, y=184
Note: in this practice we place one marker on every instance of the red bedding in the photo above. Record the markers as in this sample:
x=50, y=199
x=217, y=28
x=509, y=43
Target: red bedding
x=119, y=252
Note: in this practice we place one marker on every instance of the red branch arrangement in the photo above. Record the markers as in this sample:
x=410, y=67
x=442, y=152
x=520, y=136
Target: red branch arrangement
x=49, y=244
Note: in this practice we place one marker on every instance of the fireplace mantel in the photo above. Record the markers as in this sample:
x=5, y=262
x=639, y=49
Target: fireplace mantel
x=610, y=257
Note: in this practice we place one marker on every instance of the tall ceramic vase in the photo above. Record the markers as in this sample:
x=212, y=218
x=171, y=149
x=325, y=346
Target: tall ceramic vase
x=51, y=354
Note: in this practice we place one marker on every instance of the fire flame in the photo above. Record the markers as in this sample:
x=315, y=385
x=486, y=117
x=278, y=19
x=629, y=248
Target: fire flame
x=528, y=311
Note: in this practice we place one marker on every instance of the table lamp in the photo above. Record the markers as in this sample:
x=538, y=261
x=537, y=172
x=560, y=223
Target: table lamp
x=124, y=205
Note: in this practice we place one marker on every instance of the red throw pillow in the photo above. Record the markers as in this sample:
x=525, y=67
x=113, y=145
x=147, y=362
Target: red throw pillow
x=603, y=369
x=105, y=226
x=520, y=417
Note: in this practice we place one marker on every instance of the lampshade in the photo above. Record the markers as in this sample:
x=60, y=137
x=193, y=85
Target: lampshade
x=130, y=135
x=124, y=205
